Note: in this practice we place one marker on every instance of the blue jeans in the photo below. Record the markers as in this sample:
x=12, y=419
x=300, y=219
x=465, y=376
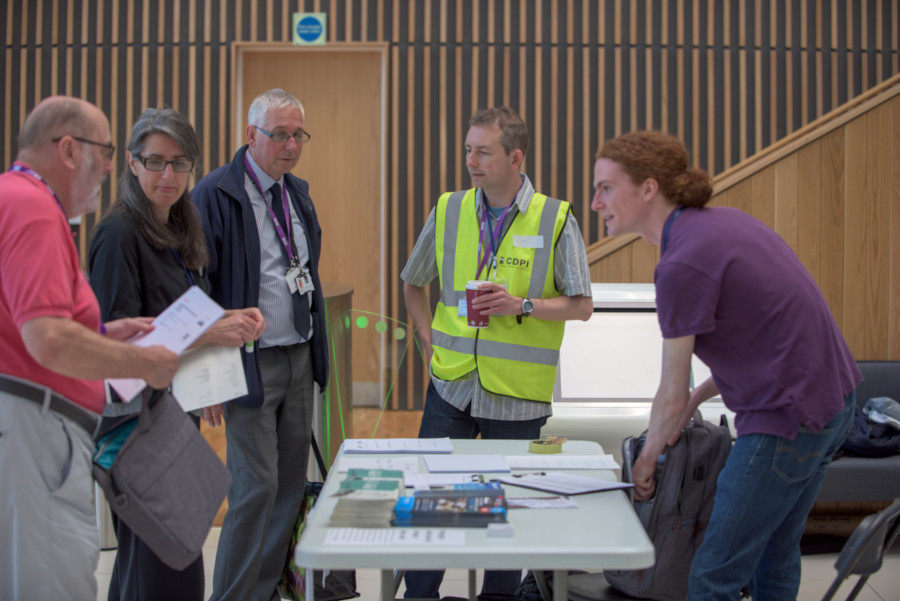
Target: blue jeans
x=763, y=496
x=440, y=419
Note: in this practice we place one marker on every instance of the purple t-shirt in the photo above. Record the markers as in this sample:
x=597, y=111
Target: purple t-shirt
x=760, y=322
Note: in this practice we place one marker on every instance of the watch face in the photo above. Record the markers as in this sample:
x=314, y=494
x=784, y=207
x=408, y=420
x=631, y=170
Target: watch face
x=527, y=306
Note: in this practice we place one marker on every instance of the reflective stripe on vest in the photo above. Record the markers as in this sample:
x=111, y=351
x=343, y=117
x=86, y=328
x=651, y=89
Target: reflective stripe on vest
x=513, y=359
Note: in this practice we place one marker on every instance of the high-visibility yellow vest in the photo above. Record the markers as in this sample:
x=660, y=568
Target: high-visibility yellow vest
x=513, y=359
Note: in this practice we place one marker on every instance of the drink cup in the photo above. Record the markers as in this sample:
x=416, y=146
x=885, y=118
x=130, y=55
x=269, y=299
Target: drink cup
x=476, y=319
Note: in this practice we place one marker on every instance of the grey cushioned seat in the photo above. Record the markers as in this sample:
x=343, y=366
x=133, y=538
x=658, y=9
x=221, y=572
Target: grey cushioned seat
x=867, y=478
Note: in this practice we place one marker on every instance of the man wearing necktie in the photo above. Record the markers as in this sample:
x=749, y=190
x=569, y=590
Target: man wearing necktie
x=264, y=241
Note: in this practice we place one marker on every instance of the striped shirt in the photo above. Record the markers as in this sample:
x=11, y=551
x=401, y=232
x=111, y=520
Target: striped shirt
x=571, y=276
x=275, y=300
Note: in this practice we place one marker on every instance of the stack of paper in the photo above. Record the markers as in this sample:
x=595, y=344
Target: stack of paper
x=366, y=498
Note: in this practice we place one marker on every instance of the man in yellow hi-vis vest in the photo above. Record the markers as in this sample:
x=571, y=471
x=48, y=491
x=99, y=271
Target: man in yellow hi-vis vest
x=496, y=381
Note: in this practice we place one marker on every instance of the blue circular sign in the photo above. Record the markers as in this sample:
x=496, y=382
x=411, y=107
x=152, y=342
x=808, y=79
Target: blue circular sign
x=309, y=29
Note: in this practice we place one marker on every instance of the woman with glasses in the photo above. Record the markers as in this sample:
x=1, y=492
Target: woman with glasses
x=147, y=250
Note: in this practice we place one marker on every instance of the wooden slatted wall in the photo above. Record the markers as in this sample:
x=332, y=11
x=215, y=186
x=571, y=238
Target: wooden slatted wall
x=729, y=77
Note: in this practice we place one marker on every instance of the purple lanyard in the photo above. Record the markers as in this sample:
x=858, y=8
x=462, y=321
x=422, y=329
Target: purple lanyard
x=494, y=234
x=20, y=168
x=287, y=241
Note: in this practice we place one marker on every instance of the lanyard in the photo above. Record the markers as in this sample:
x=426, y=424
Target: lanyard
x=287, y=240
x=20, y=168
x=180, y=262
x=665, y=238
x=494, y=236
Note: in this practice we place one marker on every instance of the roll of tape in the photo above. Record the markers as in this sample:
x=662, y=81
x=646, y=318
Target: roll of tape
x=536, y=446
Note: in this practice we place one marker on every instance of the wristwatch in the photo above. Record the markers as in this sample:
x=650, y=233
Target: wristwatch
x=527, y=307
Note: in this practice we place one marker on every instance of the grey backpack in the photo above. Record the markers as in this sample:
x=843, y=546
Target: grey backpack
x=676, y=517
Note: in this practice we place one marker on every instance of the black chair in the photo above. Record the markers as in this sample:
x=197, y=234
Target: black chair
x=863, y=552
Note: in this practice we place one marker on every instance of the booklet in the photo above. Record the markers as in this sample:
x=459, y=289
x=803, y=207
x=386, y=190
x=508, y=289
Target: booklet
x=177, y=328
x=562, y=483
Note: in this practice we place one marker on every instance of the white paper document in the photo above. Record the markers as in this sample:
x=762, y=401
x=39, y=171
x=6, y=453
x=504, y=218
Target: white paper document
x=562, y=462
x=177, y=328
x=395, y=536
x=439, y=480
x=561, y=483
x=398, y=445
x=469, y=464
x=541, y=503
x=209, y=375
x=409, y=465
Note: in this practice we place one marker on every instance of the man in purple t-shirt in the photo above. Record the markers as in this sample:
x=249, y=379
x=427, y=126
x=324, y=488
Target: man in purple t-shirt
x=730, y=289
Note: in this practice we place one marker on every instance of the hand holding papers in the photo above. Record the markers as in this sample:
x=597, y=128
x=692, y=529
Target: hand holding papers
x=176, y=328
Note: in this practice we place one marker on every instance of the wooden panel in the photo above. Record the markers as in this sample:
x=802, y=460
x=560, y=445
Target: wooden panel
x=762, y=200
x=833, y=201
x=894, y=239
x=855, y=187
x=809, y=209
x=878, y=232
x=787, y=200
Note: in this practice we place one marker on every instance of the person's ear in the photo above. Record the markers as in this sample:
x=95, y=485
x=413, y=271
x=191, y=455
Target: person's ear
x=649, y=188
x=251, y=135
x=129, y=158
x=66, y=149
x=516, y=158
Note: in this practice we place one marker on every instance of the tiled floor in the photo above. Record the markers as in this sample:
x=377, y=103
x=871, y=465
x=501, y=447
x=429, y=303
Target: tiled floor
x=818, y=572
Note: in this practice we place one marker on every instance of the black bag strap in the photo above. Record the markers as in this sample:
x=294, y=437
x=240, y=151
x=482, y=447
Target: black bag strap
x=319, y=461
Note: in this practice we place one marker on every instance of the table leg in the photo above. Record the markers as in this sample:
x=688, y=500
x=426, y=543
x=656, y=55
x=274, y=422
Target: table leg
x=310, y=584
x=473, y=596
x=387, y=585
x=560, y=585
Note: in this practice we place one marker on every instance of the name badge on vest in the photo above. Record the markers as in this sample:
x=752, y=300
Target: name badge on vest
x=528, y=241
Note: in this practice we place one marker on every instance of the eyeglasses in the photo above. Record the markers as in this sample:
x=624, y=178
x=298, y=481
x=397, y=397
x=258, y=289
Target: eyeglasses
x=110, y=149
x=281, y=137
x=159, y=164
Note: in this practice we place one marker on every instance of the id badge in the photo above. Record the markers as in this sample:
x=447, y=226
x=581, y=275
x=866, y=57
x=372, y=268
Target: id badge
x=304, y=282
x=292, y=278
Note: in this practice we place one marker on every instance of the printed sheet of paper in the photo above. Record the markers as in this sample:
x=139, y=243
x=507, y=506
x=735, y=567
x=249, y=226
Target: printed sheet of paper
x=562, y=462
x=409, y=465
x=177, y=328
x=540, y=503
x=398, y=445
x=209, y=375
x=395, y=536
x=468, y=464
x=562, y=483
x=425, y=481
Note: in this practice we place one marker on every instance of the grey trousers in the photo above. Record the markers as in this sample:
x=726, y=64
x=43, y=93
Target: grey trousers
x=268, y=451
x=50, y=544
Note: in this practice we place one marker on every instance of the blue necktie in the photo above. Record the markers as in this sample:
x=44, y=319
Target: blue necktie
x=300, y=301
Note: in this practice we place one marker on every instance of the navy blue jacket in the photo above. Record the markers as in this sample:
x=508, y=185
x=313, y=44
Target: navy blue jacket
x=233, y=241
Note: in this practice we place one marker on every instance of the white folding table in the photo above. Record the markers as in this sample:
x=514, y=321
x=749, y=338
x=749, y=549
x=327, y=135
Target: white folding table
x=602, y=533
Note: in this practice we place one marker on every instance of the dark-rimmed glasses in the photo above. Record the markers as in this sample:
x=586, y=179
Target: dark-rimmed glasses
x=110, y=149
x=159, y=164
x=280, y=137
